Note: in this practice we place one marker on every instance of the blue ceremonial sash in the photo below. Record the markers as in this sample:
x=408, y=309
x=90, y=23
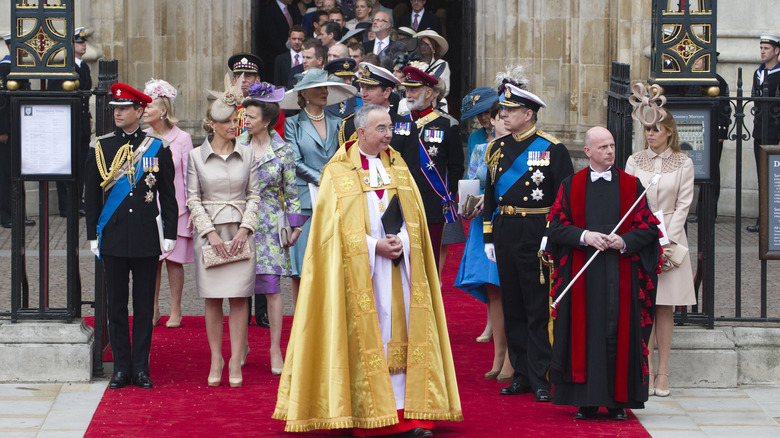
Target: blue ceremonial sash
x=120, y=191
x=439, y=184
x=519, y=167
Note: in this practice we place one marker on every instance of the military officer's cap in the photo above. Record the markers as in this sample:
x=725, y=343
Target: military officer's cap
x=125, y=95
x=245, y=63
x=342, y=67
x=514, y=97
x=417, y=78
x=371, y=74
x=770, y=39
x=80, y=34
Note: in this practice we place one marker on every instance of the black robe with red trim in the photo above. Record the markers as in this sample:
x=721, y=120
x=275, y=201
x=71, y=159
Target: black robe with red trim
x=603, y=324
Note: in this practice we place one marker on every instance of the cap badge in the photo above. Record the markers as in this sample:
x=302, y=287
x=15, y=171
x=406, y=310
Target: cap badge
x=244, y=60
x=508, y=93
x=346, y=65
x=118, y=93
x=366, y=72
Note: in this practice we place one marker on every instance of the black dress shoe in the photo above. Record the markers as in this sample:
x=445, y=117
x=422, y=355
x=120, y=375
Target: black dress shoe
x=417, y=432
x=752, y=228
x=120, y=379
x=586, y=413
x=29, y=222
x=617, y=414
x=143, y=381
x=515, y=388
x=693, y=219
x=542, y=395
x=262, y=321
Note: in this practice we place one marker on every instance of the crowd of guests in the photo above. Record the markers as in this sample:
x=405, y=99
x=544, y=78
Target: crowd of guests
x=344, y=89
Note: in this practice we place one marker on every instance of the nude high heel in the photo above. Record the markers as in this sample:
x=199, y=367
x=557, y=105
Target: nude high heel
x=235, y=382
x=215, y=381
x=662, y=392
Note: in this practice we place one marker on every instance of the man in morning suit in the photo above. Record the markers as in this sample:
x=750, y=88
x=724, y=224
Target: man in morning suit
x=525, y=169
x=419, y=18
x=767, y=76
x=291, y=58
x=376, y=86
x=276, y=19
x=126, y=173
x=441, y=154
x=603, y=324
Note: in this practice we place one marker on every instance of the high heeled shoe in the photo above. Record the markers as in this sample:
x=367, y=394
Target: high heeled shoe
x=491, y=375
x=170, y=323
x=215, y=381
x=662, y=392
x=505, y=377
x=235, y=382
x=485, y=338
x=277, y=371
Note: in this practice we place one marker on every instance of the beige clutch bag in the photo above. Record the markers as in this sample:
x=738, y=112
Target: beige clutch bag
x=470, y=204
x=285, y=230
x=212, y=259
x=673, y=256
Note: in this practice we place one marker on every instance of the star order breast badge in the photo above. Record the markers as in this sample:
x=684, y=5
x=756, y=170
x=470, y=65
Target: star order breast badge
x=149, y=197
x=150, y=180
x=537, y=177
x=433, y=151
x=537, y=194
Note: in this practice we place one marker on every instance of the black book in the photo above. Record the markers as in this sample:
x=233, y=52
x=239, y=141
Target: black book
x=392, y=220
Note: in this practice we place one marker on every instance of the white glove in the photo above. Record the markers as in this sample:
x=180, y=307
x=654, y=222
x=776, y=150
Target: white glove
x=168, y=245
x=93, y=246
x=490, y=252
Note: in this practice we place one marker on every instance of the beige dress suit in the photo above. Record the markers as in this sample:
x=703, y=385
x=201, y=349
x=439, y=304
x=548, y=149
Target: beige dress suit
x=223, y=194
x=673, y=194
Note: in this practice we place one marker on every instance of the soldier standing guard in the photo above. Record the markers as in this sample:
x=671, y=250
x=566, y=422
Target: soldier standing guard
x=124, y=174
x=441, y=154
x=525, y=169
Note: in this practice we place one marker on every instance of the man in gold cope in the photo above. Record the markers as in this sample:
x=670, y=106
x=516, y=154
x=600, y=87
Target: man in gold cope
x=369, y=349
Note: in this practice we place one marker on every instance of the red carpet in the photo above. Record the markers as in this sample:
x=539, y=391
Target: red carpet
x=182, y=405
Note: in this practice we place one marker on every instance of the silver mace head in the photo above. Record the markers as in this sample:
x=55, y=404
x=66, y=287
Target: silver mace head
x=654, y=180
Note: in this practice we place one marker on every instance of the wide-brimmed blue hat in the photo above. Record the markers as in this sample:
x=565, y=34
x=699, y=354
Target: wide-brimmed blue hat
x=478, y=101
x=315, y=78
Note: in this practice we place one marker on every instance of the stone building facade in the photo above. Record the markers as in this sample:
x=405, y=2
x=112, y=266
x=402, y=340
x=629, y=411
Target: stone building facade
x=567, y=48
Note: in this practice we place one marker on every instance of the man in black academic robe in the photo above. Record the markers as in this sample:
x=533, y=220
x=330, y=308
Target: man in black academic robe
x=604, y=322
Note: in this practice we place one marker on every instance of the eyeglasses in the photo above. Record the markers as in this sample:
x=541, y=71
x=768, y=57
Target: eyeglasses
x=382, y=129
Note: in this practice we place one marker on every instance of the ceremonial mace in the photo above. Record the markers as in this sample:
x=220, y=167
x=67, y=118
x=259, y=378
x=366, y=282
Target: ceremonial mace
x=653, y=181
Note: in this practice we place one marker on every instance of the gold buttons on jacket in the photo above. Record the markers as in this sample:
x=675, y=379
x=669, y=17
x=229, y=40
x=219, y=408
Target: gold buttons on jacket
x=523, y=214
x=502, y=143
x=500, y=198
x=500, y=169
x=502, y=155
x=131, y=193
x=525, y=198
x=530, y=169
x=527, y=183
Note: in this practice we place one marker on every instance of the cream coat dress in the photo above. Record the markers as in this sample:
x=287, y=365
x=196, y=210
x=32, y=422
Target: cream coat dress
x=673, y=194
x=223, y=195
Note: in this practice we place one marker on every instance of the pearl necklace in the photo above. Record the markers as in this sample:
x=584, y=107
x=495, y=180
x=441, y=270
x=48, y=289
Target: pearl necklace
x=313, y=117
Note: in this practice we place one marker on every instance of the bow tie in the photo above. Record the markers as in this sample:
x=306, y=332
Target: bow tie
x=607, y=175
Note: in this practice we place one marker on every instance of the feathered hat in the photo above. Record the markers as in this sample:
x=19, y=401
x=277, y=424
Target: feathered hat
x=228, y=100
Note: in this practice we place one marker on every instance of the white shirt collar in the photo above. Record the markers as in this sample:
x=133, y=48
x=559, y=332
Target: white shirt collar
x=282, y=6
x=420, y=14
x=78, y=61
x=385, y=42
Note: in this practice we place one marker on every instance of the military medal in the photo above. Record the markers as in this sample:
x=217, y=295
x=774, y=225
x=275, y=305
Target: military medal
x=150, y=180
x=342, y=108
x=403, y=128
x=433, y=151
x=149, y=197
x=537, y=177
x=531, y=158
x=155, y=164
x=537, y=194
x=545, y=159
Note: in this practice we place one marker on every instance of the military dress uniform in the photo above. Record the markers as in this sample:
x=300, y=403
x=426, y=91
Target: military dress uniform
x=405, y=132
x=515, y=223
x=130, y=241
x=343, y=68
x=439, y=135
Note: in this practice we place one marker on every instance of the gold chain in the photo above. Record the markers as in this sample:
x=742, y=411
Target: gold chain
x=125, y=153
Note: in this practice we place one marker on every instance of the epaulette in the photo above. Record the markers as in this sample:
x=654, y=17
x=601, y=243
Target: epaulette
x=453, y=121
x=547, y=136
x=404, y=114
x=343, y=140
x=102, y=137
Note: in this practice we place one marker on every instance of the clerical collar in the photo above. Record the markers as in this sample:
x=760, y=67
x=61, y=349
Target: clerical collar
x=525, y=134
x=422, y=113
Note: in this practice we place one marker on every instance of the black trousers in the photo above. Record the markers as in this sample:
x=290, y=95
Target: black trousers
x=117, y=274
x=524, y=299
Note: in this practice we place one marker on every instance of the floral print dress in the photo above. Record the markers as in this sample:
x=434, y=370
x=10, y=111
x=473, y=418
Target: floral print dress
x=278, y=195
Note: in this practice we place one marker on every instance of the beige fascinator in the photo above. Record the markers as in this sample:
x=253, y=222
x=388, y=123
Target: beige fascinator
x=647, y=106
x=228, y=100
